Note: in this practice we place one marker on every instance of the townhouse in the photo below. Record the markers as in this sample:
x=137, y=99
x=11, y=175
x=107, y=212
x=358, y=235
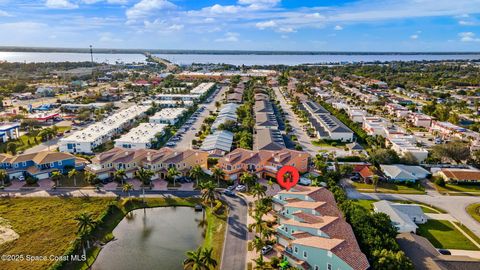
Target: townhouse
x=374, y=125
x=84, y=141
x=195, y=94
x=39, y=165
x=228, y=112
x=9, y=131
x=397, y=110
x=141, y=137
x=167, y=116
x=420, y=120
x=263, y=163
x=105, y=164
x=312, y=233
x=326, y=125
x=218, y=144
x=268, y=139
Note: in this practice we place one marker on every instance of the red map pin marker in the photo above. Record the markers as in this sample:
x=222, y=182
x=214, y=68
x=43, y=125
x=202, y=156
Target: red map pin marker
x=287, y=177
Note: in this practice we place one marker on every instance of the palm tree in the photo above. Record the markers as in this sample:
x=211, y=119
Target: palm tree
x=3, y=176
x=90, y=178
x=145, y=176
x=375, y=180
x=208, y=259
x=258, y=244
x=85, y=224
x=259, y=225
x=196, y=172
x=218, y=174
x=120, y=175
x=258, y=191
x=208, y=192
x=127, y=187
x=194, y=260
x=260, y=264
x=172, y=173
x=247, y=179
x=55, y=176
x=47, y=133
x=73, y=174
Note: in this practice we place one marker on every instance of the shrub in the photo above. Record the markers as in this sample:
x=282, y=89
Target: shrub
x=440, y=181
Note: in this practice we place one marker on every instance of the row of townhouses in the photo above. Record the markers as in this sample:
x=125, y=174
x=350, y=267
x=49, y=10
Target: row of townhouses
x=326, y=125
x=267, y=133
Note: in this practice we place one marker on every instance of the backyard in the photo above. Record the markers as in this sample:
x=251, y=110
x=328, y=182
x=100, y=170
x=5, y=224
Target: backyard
x=27, y=141
x=442, y=234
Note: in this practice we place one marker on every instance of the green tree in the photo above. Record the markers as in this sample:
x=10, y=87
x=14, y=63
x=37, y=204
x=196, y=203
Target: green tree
x=56, y=176
x=218, y=174
x=119, y=175
x=375, y=180
x=12, y=148
x=196, y=172
x=145, y=176
x=127, y=187
x=247, y=179
x=85, y=224
x=208, y=192
x=72, y=174
x=172, y=173
x=258, y=191
x=388, y=259
x=90, y=178
x=207, y=257
x=3, y=176
x=195, y=261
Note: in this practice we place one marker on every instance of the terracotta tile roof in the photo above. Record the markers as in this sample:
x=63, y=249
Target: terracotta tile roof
x=462, y=174
x=22, y=158
x=366, y=172
x=5, y=158
x=304, y=204
x=46, y=157
x=318, y=242
x=318, y=224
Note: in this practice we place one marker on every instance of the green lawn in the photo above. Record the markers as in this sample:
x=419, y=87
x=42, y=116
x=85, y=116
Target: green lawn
x=442, y=234
x=460, y=189
x=46, y=226
x=469, y=232
x=215, y=234
x=367, y=204
x=27, y=141
x=474, y=211
x=389, y=188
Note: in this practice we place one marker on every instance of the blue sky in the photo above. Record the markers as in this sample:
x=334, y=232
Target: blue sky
x=335, y=25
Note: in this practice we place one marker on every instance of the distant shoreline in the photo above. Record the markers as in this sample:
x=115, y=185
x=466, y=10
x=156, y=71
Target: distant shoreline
x=211, y=52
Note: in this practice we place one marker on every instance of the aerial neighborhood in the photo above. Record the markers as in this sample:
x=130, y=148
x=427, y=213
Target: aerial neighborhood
x=380, y=156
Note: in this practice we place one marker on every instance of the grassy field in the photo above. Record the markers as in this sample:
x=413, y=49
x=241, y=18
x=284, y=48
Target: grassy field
x=28, y=141
x=474, y=211
x=215, y=234
x=442, y=234
x=389, y=188
x=469, y=232
x=46, y=226
x=459, y=189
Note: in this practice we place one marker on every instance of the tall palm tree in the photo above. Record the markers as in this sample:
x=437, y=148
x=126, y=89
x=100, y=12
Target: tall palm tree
x=260, y=264
x=208, y=259
x=247, y=179
x=172, y=173
x=127, y=187
x=258, y=244
x=73, y=174
x=208, y=192
x=90, y=178
x=56, y=176
x=375, y=180
x=3, y=176
x=145, y=176
x=85, y=225
x=196, y=172
x=218, y=174
x=194, y=260
x=258, y=191
x=258, y=226
x=120, y=175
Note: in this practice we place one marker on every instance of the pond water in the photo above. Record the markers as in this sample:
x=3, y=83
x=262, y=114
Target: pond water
x=154, y=238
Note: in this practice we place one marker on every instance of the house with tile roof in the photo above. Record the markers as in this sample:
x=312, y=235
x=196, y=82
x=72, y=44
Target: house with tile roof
x=312, y=233
x=457, y=175
x=263, y=163
x=105, y=164
x=39, y=165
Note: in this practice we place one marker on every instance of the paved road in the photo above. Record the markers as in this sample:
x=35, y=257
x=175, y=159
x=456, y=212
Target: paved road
x=454, y=205
x=186, y=141
x=302, y=136
x=235, y=246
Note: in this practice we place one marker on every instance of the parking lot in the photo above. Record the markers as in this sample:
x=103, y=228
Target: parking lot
x=183, y=139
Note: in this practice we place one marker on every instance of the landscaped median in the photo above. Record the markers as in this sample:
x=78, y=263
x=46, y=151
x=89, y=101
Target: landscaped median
x=47, y=227
x=474, y=211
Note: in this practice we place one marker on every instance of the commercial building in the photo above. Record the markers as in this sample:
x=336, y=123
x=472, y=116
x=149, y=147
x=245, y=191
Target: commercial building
x=218, y=144
x=84, y=141
x=105, y=164
x=39, y=165
x=141, y=137
x=404, y=217
x=9, y=131
x=326, y=125
x=167, y=116
x=263, y=163
x=312, y=233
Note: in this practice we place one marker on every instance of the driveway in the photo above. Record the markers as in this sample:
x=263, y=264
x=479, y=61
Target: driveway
x=235, y=245
x=186, y=141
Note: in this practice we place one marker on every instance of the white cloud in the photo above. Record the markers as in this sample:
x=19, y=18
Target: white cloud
x=162, y=26
x=219, y=9
x=415, y=36
x=267, y=24
x=4, y=14
x=119, y=2
x=468, y=37
x=264, y=2
x=145, y=8
x=109, y=38
x=60, y=4
x=229, y=37
x=338, y=28
x=286, y=29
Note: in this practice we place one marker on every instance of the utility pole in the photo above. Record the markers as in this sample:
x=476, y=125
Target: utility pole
x=91, y=54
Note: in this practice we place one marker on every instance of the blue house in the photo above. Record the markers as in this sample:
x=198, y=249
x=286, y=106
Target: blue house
x=39, y=165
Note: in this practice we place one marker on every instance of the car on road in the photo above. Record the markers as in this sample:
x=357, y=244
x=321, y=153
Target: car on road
x=229, y=193
x=230, y=188
x=21, y=178
x=241, y=188
x=266, y=249
x=170, y=144
x=444, y=251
